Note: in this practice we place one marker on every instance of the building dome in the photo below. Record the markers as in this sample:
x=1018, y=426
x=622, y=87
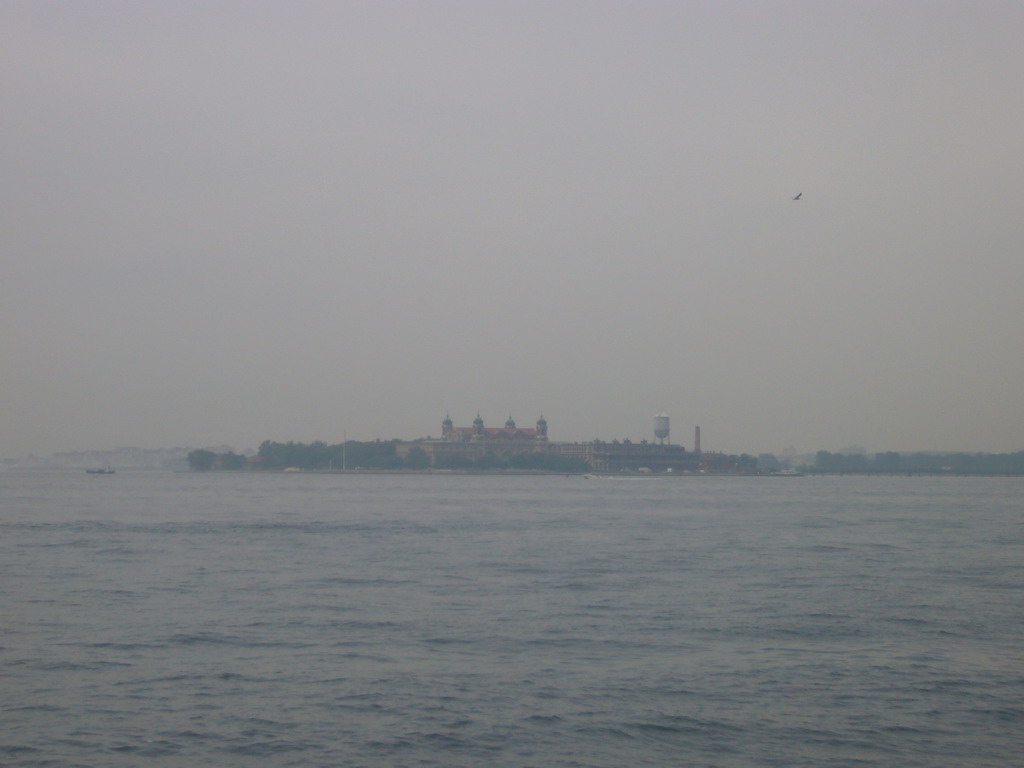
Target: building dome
x=510, y=424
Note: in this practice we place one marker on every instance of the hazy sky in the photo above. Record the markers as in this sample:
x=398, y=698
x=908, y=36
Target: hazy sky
x=236, y=221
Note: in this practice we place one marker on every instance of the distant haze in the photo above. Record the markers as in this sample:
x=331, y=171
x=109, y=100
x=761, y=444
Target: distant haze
x=236, y=221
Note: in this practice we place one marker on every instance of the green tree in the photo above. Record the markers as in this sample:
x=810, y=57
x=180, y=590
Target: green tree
x=889, y=461
x=548, y=462
x=231, y=461
x=491, y=460
x=746, y=462
x=417, y=459
x=452, y=461
x=201, y=460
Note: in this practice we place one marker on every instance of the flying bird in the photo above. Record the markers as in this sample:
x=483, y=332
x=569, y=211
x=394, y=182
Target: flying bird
x=798, y=194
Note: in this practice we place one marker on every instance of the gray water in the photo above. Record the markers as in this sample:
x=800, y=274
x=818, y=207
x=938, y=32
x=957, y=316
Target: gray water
x=160, y=619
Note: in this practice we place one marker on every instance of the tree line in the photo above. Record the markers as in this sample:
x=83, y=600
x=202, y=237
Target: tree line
x=376, y=454
x=892, y=463
x=381, y=454
x=527, y=460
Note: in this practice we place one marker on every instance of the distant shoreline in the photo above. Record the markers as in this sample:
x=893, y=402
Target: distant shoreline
x=506, y=473
x=587, y=475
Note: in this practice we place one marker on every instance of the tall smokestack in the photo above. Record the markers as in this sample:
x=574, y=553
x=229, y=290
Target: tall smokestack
x=696, y=439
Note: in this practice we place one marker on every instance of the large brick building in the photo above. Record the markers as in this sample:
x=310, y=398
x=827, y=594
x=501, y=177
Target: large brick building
x=477, y=441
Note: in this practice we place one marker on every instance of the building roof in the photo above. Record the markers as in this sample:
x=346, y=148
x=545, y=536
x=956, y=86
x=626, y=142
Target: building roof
x=497, y=433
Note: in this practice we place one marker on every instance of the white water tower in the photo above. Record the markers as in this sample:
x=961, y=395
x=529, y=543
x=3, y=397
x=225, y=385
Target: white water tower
x=661, y=426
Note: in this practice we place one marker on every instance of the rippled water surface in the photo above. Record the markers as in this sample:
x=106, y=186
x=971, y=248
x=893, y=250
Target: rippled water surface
x=165, y=619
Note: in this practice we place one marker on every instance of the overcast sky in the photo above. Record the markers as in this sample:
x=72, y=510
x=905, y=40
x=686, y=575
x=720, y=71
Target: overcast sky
x=235, y=221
